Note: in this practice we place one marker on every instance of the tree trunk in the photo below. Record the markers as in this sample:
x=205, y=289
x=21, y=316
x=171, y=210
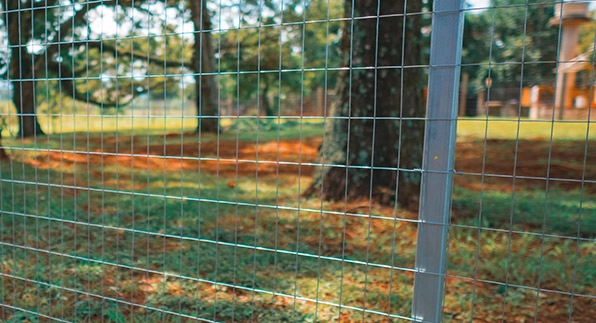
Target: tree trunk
x=269, y=112
x=3, y=154
x=21, y=68
x=204, y=62
x=23, y=98
x=378, y=143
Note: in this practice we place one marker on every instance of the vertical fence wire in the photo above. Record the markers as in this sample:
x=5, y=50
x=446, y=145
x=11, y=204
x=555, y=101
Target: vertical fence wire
x=514, y=169
x=326, y=69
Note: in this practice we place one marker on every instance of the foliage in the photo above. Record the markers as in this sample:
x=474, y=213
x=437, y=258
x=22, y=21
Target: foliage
x=498, y=40
x=131, y=64
x=268, y=58
x=587, y=38
x=95, y=64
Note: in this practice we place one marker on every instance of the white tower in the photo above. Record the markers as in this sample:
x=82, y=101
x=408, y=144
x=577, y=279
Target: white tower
x=570, y=15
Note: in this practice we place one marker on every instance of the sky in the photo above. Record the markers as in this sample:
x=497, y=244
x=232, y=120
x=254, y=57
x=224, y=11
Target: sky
x=479, y=3
x=486, y=3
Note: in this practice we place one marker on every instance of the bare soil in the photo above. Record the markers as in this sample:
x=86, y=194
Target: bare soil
x=529, y=163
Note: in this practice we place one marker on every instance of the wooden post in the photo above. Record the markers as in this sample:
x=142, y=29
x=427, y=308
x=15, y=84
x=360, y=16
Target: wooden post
x=320, y=101
x=463, y=94
x=480, y=105
x=535, y=102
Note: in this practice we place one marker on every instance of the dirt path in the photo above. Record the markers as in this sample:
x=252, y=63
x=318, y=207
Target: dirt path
x=531, y=163
x=226, y=157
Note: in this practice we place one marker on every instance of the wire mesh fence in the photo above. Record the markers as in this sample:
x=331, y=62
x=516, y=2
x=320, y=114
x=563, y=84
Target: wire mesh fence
x=297, y=161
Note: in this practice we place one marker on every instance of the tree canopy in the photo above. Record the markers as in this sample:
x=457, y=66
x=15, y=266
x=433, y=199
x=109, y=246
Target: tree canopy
x=501, y=38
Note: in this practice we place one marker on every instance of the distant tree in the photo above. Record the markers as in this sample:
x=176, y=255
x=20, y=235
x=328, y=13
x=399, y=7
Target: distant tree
x=204, y=67
x=3, y=154
x=535, y=44
x=321, y=38
x=255, y=53
x=280, y=42
x=353, y=138
x=587, y=36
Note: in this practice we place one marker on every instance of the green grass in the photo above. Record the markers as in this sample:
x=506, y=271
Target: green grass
x=495, y=128
x=499, y=128
x=76, y=131
x=123, y=227
x=160, y=235
x=555, y=212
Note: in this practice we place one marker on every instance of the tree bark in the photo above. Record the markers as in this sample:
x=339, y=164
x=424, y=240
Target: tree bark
x=363, y=141
x=22, y=68
x=204, y=62
x=23, y=98
x=269, y=112
x=3, y=154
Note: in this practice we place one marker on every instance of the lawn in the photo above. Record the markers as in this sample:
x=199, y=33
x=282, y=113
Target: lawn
x=131, y=224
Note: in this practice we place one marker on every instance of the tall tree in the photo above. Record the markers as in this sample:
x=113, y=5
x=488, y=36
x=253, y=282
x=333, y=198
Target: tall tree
x=40, y=35
x=3, y=154
x=204, y=66
x=365, y=145
x=54, y=40
x=20, y=17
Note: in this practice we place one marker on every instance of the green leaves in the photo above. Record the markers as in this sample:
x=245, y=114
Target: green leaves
x=507, y=36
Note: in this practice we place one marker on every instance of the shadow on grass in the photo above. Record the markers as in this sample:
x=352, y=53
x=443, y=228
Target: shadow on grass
x=556, y=212
x=106, y=240
x=192, y=243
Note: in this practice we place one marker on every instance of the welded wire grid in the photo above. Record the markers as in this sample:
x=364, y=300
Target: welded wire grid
x=531, y=228
x=125, y=213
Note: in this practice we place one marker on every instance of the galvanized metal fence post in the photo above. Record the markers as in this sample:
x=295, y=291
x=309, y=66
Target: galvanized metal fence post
x=438, y=160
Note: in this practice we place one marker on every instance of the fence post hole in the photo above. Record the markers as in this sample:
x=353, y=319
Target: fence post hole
x=438, y=160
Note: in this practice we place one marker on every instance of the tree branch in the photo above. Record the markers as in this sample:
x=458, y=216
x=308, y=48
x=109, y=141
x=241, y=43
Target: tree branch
x=69, y=86
x=112, y=49
x=52, y=49
x=79, y=17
